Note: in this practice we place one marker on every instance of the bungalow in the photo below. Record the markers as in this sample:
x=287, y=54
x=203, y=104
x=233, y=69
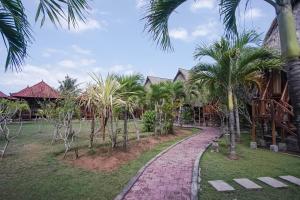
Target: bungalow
x=154, y=80
x=272, y=112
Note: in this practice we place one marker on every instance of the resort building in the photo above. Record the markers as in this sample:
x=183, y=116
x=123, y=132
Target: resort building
x=34, y=95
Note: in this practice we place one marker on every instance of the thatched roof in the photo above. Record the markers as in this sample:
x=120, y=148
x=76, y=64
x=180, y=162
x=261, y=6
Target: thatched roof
x=184, y=73
x=156, y=80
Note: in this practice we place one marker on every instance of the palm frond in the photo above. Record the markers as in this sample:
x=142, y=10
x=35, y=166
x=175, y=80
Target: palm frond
x=15, y=31
x=56, y=11
x=157, y=17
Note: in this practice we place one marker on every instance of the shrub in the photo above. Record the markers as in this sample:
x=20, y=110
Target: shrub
x=149, y=121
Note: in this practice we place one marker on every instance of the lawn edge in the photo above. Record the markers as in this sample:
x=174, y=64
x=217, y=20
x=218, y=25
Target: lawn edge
x=196, y=174
x=133, y=180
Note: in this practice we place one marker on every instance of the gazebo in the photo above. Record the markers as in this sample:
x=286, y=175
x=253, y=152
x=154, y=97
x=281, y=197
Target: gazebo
x=35, y=94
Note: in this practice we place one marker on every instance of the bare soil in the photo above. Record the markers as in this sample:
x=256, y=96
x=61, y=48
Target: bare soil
x=107, y=159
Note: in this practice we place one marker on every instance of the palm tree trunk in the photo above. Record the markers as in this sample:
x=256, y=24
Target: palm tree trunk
x=199, y=115
x=125, y=135
x=92, y=132
x=237, y=119
x=232, y=154
x=291, y=51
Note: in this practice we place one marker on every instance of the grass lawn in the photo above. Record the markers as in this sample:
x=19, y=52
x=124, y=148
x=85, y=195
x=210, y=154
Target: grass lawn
x=252, y=164
x=32, y=171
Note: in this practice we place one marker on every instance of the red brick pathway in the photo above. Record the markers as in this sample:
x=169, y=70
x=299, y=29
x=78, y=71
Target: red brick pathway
x=170, y=176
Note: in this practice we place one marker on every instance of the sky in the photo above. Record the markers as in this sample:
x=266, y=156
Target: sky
x=113, y=41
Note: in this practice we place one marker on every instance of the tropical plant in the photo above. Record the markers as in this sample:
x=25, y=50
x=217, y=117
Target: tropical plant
x=235, y=63
x=16, y=30
x=130, y=91
x=290, y=48
x=9, y=110
x=148, y=120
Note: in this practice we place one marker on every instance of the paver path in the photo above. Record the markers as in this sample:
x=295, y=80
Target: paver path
x=170, y=176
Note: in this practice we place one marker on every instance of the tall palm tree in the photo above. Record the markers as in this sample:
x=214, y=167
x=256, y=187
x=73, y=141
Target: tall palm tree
x=290, y=48
x=234, y=63
x=16, y=30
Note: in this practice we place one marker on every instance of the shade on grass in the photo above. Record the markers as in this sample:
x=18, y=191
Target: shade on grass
x=252, y=164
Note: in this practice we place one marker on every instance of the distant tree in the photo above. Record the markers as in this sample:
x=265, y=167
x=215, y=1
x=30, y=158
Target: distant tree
x=16, y=30
x=69, y=85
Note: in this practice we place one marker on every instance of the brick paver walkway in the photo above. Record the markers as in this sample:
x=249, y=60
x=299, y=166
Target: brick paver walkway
x=170, y=176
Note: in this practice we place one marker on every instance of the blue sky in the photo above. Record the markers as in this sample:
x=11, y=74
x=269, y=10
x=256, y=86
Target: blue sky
x=113, y=41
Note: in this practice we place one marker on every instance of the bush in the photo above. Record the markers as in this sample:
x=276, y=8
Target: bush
x=148, y=120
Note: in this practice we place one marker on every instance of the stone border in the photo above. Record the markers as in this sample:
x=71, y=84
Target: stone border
x=134, y=179
x=196, y=176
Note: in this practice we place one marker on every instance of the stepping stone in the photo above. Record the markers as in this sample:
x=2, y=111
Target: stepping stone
x=246, y=183
x=221, y=186
x=291, y=179
x=272, y=182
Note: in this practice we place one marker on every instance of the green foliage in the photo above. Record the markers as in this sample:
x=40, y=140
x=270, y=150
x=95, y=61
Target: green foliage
x=148, y=119
x=10, y=108
x=69, y=86
x=15, y=27
x=187, y=115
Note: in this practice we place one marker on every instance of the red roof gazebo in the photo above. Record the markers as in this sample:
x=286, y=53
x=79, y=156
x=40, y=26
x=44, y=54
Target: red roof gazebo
x=33, y=95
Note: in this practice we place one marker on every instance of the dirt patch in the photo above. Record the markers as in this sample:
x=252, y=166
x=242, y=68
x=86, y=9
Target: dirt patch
x=106, y=159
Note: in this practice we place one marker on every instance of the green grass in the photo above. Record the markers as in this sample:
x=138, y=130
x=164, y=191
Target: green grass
x=252, y=164
x=32, y=171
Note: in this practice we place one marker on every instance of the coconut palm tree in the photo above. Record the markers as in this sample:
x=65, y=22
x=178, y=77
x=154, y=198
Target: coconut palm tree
x=16, y=30
x=234, y=63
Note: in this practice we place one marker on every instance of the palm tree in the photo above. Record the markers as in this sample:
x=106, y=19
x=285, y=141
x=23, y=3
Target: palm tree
x=234, y=63
x=107, y=98
x=131, y=91
x=69, y=85
x=290, y=48
x=159, y=11
x=16, y=30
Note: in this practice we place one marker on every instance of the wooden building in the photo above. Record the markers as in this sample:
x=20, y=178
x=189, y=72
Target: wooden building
x=33, y=96
x=154, y=80
x=272, y=112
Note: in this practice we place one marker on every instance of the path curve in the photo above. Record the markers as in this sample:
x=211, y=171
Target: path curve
x=170, y=175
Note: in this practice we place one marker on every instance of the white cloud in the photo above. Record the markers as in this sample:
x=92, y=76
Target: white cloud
x=50, y=51
x=121, y=69
x=88, y=25
x=179, y=33
x=210, y=31
x=140, y=3
x=253, y=13
x=203, y=4
x=80, y=50
x=67, y=63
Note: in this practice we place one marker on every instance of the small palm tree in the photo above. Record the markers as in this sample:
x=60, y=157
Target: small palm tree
x=235, y=63
x=131, y=91
x=16, y=30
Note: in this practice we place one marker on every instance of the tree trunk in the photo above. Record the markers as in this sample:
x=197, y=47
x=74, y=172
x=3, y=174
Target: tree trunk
x=290, y=51
x=232, y=154
x=92, y=132
x=125, y=134
x=237, y=119
x=194, y=112
x=137, y=131
x=199, y=116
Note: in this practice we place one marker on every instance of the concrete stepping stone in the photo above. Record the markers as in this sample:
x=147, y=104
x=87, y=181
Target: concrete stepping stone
x=291, y=179
x=246, y=183
x=221, y=186
x=272, y=182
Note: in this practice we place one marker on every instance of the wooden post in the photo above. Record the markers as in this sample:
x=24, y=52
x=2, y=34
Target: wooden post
x=273, y=132
x=253, y=122
x=282, y=135
x=253, y=130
